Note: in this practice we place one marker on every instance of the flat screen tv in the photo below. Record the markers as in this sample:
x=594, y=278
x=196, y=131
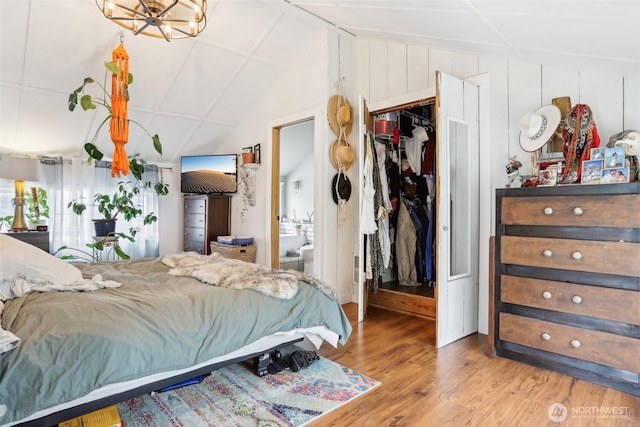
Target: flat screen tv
x=209, y=174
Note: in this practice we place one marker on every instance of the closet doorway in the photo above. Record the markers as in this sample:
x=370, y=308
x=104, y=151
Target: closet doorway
x=423, y=258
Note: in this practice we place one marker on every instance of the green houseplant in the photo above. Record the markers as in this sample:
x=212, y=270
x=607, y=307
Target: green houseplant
x=5, y=220
x=88, y=102
x=122, y=202
x=37, y=205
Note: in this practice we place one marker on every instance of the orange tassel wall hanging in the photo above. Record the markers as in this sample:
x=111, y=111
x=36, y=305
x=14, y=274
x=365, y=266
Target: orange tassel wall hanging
x=119, y=126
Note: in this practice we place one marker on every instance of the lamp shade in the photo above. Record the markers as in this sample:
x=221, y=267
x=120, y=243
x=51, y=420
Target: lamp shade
x=19, y=168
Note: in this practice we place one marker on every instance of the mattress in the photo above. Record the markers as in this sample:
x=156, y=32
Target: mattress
x=74, y=343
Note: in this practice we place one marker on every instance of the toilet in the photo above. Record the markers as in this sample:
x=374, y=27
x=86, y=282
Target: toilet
x=306, y=252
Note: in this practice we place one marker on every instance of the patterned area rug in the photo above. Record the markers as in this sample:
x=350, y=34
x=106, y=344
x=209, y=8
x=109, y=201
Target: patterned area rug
x=236, y=396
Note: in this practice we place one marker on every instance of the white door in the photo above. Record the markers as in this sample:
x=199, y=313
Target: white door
x=458, y=177
x=364, y=119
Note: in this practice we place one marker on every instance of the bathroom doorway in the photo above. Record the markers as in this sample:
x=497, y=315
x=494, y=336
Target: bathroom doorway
x=295, y=201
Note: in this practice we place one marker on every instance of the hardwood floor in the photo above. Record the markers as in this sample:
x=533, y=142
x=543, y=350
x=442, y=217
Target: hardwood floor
x=459, y=385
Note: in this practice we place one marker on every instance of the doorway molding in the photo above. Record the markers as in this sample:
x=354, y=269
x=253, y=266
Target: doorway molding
x=273, y=189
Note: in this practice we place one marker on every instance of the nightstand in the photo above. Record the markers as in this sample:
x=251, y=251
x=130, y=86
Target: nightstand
x=39, y=239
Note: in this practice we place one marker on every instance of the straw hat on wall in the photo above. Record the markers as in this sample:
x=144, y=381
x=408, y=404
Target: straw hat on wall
x=339, y=113
x=341, y=154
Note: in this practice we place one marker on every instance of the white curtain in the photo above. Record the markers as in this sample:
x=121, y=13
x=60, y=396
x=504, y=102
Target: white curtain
x=74, y=179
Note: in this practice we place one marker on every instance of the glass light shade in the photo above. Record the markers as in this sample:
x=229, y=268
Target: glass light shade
x=168, y=19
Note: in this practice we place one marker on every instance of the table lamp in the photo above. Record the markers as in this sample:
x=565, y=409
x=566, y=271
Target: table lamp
x=19, y=169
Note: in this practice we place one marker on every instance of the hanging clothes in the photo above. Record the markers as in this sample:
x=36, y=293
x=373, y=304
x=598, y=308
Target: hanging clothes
x=406, y=247
x=374, y=262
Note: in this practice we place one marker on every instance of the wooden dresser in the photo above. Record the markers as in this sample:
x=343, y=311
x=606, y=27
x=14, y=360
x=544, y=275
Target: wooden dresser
x=566, y=292
x=205, y=218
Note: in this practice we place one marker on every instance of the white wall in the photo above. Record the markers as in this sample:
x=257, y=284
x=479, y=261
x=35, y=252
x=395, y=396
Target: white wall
x=388, y=70
x=303, y=91
x=300, y=202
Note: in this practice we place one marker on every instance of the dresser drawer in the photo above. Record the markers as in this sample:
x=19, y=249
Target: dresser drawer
x=195, y=234
x=191, y=246
x=593, y=346
x=576, y=211
x=194, y=220
x=603, y=303
x=193, y=206
x=620, y=258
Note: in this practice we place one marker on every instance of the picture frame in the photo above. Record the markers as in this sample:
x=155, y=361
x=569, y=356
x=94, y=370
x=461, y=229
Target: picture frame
x=256, y=152
x=614, y=157
x=547, y=177
x=614, y=175
x=597, y=153
x=592, y=170
x=247, y=149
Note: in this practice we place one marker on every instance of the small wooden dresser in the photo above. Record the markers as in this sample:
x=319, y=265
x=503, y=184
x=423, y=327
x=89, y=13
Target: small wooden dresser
x=566, y=292
x=205, y=218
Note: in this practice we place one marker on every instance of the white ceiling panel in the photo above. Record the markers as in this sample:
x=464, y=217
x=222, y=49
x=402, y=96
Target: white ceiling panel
x=13, y=40
x=286, y=40
x=250, y=84
x=225, y=29
x=202, y=80
x=193, y=92
x=9, y=108
x=206, y=139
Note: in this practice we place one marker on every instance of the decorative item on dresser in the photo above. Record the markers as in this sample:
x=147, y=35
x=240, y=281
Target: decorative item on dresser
x=205, y=218
x=566, y=293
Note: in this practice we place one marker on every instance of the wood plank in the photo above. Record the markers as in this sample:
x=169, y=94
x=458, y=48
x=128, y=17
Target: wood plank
x=457, y=384
x=404, y=302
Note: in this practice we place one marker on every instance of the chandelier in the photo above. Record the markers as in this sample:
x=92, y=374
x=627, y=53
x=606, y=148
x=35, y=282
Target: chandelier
x=168, y=19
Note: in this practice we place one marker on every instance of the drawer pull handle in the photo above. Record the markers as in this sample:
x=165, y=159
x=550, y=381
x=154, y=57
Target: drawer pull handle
x=576, y=255
x=546, y=295
x=547, y=253
x=548, y=210
x=577, y=299
x=545, y=336
x=576, y=344
x=577, y=211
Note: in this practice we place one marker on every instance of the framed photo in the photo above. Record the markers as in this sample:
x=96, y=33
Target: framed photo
x=592, y=170
x=547, y=177
x=256, y=152
x=615, y=175
x=597, y=153
x=247, y=150
x=614, y=157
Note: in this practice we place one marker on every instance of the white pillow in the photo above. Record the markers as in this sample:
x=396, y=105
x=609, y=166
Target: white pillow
x=18, y=258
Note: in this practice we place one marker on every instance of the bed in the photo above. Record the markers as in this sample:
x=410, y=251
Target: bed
x=141, y=326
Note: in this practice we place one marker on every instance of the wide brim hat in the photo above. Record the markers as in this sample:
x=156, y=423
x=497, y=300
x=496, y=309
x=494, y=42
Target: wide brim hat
x=339, y=112
x=341, y=153
x=536, y=128
x=340, y=187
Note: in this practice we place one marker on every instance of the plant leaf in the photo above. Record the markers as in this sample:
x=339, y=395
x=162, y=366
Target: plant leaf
x=113, y=67
x=93, y=151
x=73, y=101
x=87, y=103
x=156, y=144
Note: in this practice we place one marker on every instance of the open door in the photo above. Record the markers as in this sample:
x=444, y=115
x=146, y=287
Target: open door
x=458, y=208
x=365, y=125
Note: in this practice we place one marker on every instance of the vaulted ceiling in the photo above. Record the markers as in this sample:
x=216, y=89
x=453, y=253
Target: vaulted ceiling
x=195, y=91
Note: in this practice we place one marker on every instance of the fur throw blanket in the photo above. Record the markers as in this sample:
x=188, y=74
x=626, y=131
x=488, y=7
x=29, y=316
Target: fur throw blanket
x=217, y=270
